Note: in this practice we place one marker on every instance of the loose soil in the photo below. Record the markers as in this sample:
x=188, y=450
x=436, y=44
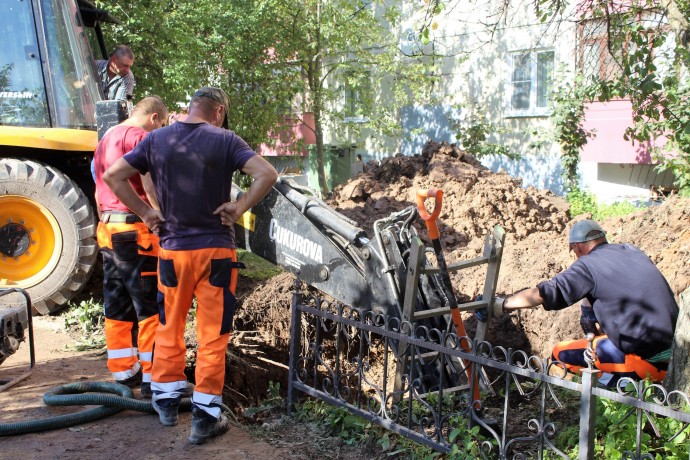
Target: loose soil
x=135, y=435
x=474, y=200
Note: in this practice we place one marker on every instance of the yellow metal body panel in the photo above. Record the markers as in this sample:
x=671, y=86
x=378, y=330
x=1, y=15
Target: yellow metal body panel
x=79, y=140
x=248, y=221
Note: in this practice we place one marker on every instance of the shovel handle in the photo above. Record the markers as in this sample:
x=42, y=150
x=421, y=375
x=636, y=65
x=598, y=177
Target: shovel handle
x=430, y=219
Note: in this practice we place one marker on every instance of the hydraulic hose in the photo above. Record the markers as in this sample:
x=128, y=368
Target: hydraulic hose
x=112, y=397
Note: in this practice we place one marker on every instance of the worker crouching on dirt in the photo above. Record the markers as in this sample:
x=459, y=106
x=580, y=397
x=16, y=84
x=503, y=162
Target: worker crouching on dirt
x=623, y=294
x=130, y=254
x=191, y=163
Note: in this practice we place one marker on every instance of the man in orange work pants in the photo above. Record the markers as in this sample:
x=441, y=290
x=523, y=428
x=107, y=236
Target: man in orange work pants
x=211, y=275
x=130, y=255
x=191, y=163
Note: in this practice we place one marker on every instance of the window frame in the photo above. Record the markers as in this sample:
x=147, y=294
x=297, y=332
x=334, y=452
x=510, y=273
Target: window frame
x=356, y=103
x=532, y=110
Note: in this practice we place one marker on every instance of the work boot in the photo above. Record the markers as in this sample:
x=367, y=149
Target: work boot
x=167, y=411
x=146, y=391
x=205, y=426
x=133, y=381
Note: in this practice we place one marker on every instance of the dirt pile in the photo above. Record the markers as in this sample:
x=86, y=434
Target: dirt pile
x=474, y=200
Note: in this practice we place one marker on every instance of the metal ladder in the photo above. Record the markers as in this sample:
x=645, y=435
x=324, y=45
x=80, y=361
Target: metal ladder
x=493, y=252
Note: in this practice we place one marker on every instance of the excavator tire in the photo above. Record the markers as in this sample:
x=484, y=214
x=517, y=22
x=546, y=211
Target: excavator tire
x=47, y=235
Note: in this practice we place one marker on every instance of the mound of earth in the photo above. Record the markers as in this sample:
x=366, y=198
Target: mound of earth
x=474, y=200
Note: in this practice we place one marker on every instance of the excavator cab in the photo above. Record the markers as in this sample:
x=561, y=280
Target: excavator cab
x=49, y=95
x=47, y=72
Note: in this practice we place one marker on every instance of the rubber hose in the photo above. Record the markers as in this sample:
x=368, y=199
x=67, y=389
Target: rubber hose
x=120, y=398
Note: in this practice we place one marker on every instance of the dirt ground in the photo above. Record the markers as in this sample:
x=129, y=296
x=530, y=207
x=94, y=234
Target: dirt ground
x=129, y=434
x=475, y=199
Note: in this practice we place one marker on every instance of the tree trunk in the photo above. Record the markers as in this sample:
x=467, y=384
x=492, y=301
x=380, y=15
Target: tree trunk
x=320, y=166
x=678, y=376
x=678, y=21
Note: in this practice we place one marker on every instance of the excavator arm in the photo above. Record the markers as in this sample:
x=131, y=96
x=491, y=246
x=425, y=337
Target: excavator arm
x=389, y=274
x=323, y=248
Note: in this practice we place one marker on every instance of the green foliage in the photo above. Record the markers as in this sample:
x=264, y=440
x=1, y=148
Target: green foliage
x=258, y=269
x=465, y=443
x=276, y=70
x=274, y=401
x=356, y=83
x=238, y=46
x=474, y=133
x=582, y=202
x=339, y=421
x=87, y=319
x=568, y=117
x=659, y=94
x=355, y=430
x=616, y=434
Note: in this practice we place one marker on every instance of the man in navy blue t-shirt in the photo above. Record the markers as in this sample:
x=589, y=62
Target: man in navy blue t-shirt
x=191, y=163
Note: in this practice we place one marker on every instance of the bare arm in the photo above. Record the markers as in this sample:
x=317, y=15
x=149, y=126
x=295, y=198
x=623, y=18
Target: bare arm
x=117, y=177
x=98, y=206
x=528, y=298
x=150, y=190
x=264, y=176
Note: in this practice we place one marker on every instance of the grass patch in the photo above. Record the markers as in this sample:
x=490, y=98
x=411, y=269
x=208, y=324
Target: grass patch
x=582, y=202
x=258, y=269
x=87, y=320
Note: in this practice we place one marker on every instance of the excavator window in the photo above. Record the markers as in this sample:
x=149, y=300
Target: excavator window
x=47, y=73
x=22, y=90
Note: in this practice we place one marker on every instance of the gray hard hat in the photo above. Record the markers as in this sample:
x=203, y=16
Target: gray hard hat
x=580, y=230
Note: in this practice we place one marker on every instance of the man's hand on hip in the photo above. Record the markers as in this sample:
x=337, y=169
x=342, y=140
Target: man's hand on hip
x=229, y=213
x=153, y=220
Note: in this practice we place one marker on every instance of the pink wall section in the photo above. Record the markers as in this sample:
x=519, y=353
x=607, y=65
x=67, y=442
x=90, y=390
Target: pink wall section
x=293, y=130
x=610, y=120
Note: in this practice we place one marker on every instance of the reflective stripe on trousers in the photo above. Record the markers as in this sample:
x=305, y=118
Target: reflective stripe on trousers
x=130, y=289
x=609, y=359
x=211, y=276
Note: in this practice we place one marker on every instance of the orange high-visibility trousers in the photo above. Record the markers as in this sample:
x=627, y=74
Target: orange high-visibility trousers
x=210, y=275
x=608, y=359
x=130, y=289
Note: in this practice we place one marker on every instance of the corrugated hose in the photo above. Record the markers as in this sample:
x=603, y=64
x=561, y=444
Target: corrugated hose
x=112, y=397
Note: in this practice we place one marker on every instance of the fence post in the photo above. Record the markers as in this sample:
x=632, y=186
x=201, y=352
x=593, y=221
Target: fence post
x=588, y=414
x=295, y=342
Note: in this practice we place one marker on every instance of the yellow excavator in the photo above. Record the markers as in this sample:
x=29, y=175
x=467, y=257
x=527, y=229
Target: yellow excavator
x=48, y=131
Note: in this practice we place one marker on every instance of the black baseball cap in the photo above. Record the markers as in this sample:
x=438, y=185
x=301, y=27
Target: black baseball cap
x=217, y=95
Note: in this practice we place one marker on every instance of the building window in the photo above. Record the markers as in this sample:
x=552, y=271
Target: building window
x=595, y=61
x=531, y=76
x=357, y=97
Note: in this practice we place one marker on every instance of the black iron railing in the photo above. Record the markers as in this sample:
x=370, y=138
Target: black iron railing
x=347, y=357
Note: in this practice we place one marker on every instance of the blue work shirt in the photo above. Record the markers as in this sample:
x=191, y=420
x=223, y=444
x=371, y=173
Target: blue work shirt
x=632, y=300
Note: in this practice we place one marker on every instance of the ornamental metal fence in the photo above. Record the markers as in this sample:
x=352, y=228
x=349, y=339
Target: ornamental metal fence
x=350, y=358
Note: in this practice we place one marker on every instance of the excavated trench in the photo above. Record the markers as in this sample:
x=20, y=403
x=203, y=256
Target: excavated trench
x=475, y=199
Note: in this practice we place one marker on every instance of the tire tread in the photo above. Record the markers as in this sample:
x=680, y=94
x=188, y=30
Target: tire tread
x=60, y=186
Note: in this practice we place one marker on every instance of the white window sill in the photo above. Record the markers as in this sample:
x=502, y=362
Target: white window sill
x=529, y=114
x=357, y=119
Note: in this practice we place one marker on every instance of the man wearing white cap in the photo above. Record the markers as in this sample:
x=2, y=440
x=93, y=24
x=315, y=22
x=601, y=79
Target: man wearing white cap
x=626, y=303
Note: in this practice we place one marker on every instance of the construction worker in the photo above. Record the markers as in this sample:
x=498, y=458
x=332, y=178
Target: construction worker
x=627, y=305
x=130, y=254
x=115, y=75
x=191, y=163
